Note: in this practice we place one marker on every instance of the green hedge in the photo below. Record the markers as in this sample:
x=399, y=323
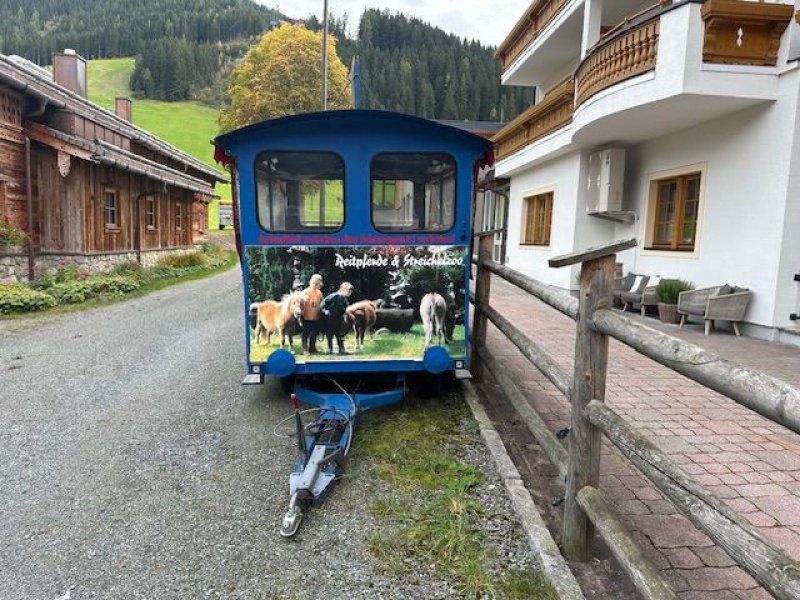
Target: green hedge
x=73, y=284
x=18, y=298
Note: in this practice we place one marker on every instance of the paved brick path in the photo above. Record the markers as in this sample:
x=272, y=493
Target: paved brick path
x=751, y=463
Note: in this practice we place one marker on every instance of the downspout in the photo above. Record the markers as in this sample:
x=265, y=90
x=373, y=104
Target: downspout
x=29, y=208
x=29, y=188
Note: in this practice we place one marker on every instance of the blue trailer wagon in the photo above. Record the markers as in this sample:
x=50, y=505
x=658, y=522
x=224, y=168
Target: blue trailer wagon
x=354, y=230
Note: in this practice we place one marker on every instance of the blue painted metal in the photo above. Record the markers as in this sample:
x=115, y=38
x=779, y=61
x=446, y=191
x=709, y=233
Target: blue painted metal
x=356, y=136
x=281, y=363
x=437, y=360
x=356, y=75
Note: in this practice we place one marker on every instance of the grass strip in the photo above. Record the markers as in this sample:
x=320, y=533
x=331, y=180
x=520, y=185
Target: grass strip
x=435, y=516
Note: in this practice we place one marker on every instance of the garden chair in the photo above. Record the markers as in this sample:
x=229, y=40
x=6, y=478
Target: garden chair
x=633, y=295
x=720, y=303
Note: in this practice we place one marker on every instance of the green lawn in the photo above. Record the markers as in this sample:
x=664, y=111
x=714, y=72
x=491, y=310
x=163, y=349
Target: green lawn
x=186, y=125
x=387, y=345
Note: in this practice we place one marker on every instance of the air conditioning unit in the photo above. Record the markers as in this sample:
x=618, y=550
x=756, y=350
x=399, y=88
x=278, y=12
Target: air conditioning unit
x=604, y=180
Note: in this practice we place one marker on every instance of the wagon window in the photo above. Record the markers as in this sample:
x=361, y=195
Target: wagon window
x=299, y=191
x=413, y=191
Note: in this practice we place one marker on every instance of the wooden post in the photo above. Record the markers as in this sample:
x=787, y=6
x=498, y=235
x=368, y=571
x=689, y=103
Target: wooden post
x=589, y=382
x=483, y=282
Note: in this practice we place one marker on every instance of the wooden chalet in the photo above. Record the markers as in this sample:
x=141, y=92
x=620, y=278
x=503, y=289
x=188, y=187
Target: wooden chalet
x=88, y=186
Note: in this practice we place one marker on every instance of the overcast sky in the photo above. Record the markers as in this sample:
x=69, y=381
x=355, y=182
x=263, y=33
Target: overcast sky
x=486, y=21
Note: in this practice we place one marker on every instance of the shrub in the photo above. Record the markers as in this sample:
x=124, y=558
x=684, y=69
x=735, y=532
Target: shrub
x=18, y=298
x=10, y=234
x=193, y=259
x=667, y=290
x=131, y=270
x=80, y=290
x=64, y=274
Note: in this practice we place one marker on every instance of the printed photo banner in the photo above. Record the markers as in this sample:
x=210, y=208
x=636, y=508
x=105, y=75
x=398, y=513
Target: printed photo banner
x=356, y=303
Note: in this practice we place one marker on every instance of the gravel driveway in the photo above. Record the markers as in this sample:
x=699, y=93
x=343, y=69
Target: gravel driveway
x=134, y=465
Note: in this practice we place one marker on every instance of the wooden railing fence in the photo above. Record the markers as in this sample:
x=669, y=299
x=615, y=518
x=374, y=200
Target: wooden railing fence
x=585, y=510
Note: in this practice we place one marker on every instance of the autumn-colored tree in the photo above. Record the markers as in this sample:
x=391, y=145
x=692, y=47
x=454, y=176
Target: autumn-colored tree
x=281, y=76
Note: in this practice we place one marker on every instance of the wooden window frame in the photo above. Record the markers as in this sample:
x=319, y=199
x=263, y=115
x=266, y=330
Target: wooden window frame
x=678, y=221
x=537, y=219
x=109, y=224
x=150, y=201
x=3, y=198
x=178, y=216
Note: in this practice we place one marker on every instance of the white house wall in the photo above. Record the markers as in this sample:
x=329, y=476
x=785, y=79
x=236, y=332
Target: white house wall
x=746, y=161
x=561, y=177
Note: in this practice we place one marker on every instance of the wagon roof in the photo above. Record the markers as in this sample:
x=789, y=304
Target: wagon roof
x=307, y=122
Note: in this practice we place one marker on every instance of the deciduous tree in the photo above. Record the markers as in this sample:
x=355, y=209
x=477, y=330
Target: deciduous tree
x=281, y=76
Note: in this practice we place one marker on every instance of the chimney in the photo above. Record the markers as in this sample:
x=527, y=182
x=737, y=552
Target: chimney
x=69, y=71
x=123, y=108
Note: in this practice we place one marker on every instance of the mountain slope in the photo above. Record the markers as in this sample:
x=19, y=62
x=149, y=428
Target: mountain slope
x=110, y=28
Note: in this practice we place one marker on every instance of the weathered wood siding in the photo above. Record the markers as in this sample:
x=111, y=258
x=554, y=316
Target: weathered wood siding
x=12, y=158
x=61, y=201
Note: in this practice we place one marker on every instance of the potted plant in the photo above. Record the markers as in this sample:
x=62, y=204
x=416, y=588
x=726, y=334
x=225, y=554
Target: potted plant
x=667, y=292
x=10, y=235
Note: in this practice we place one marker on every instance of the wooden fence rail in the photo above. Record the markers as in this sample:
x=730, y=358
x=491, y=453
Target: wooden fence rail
x=590, y=418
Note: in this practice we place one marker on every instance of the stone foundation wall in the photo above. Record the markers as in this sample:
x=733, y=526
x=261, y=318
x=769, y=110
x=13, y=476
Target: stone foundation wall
x=14, y=265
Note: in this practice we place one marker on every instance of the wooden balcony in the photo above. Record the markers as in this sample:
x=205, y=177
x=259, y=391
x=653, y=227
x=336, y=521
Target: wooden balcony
x=738, y=32
x=553, y=112
x=527, y=29
x=626, y=51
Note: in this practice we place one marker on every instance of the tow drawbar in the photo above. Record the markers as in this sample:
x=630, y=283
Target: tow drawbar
x=322, y=445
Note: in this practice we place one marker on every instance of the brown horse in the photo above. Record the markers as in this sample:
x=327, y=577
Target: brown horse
x=281, y=317
x=361, y=317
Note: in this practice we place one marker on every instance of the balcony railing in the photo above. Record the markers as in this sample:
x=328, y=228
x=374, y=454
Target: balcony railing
x=625, y=52
x=527, y=29
x=553, y=112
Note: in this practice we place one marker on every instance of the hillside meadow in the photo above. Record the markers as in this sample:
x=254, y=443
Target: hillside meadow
x=188, y=126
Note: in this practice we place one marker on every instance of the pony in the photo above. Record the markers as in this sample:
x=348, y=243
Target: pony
x=433, y=310
x=361, y=317
x=281, y=317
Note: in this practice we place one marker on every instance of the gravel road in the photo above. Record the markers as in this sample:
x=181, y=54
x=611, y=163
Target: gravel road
x=133, y=465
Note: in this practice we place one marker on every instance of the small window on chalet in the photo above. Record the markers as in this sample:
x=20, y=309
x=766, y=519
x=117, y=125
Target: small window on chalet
x=299, y=191
x=179, y=216
x=538, y=217
x=110, y=209
x=150, y=213
x=413, y=192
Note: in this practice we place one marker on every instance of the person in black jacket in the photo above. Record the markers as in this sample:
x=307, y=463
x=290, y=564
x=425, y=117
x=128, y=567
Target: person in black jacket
x=332, y=308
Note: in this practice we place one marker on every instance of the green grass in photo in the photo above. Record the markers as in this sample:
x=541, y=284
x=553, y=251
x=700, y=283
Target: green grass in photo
x=384, y=346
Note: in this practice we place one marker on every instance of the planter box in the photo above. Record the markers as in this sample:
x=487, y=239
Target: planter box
x=668, y=313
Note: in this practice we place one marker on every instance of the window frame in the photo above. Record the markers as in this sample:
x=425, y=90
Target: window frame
x=178, y=216
x=302, y=230
x=115, y=224
x=676, y=248
x=148, y=199
x=531, y=204
x=412, y=231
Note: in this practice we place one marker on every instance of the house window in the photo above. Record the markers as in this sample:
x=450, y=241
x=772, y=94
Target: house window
x=675, y=213
x=179, y=216
x=538, y=214
x=150, y=214
x=111, y=209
